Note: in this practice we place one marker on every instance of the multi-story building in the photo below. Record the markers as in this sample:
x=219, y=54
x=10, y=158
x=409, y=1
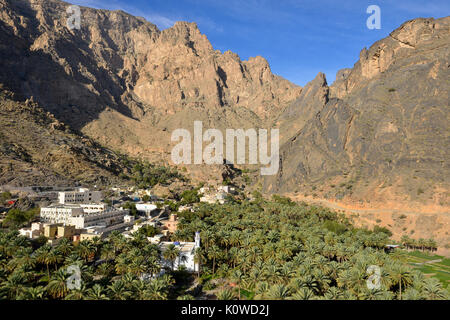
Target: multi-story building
x=60, y=213
x=105, y=218
x=82, y=216
x=94, y=207
x=82, y=195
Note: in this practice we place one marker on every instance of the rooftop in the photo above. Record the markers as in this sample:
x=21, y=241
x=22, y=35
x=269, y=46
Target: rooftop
x=182, y=246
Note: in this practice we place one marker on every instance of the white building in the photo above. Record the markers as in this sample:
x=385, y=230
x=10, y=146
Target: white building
x=186, y=256
x=226, y=189
x=34, y=232
x=146, y=208
x=101, y=219
x=93, y=207
x=76, y=215
x=60, y=213
x=82, y=195
x=212, y=199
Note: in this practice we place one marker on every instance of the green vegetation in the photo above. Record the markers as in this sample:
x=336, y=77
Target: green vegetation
x=431, y=265
x=131, y=207
x=34, y=272
x=149, y=231
x=5, y=196
x=190, y=197
x=385, y=230
x=255, y=249
x=281, y=250
x=146, y=175
x=16, y=218
x=421, y=244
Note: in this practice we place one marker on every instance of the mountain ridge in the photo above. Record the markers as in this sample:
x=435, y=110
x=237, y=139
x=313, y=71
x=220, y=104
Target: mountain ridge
x=127, y=85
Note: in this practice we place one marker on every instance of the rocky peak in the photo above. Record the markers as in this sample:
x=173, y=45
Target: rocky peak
x=411, y=38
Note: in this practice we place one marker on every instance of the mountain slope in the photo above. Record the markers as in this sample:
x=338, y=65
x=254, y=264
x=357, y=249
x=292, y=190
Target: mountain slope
x=121, y=70
x=37, y=149
x=380, y=132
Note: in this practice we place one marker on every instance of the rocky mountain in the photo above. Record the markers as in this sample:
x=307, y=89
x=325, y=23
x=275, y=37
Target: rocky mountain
x=127, y=84
x=379, y=133
x=38, y=149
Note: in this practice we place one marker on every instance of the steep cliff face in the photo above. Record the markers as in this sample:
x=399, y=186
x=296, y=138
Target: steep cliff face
x=380, y=132
x=127, y=84
x=414, y=42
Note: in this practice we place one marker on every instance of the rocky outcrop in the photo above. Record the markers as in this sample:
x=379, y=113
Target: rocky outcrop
x=380, y=132
x=37, y=149
x=124, y=69
x=415, y=38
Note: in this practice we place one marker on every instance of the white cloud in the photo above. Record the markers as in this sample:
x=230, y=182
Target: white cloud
x=161, y=21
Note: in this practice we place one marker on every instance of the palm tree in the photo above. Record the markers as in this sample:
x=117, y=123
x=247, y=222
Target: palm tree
x=86, y=250
x=199, y=257
x=225, y=294
x=171, y=254
x=57, y=286
x=413, y=294
x=405, y=240
x=261, y=290
x=118, y=291
x=303, y=294
x=64, y=247
x=333, y=293
x=154, y=265
x=42, y=256
x=402, y=276
x=54, y=258
x=34, y=293
x=214, y=253
x=238, y=276
x=279, y=292
x=433, y=290
x=14, y=287
x=108, y=252
x=96, y=293
x=78, y=294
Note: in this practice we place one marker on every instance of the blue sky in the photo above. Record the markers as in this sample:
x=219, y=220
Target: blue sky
x=299, y=38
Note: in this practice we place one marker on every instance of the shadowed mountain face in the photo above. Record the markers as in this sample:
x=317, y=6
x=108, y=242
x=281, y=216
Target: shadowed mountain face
x=37, y=149
x=127, y=84
x=381, y=130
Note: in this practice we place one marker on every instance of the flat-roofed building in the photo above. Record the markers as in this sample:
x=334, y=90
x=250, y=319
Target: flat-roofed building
x=146, y=208
x=105, y=218
x=82, y=195
x=186, y=256
x=82, y=217
x=36, y=229
x=94, y=207
x=60, y=213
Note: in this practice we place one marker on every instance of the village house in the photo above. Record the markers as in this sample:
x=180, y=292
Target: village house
x=186, y=257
